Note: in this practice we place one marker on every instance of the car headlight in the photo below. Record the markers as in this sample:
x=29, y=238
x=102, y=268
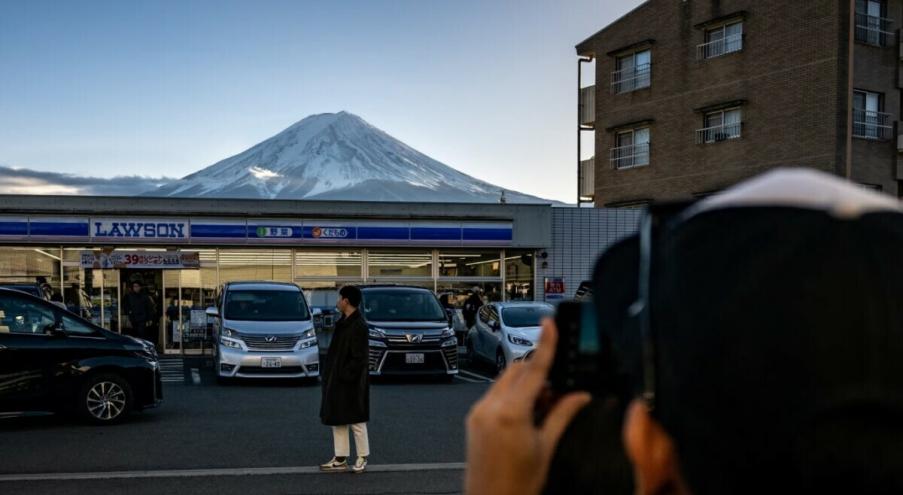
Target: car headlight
x=309, y=334
x=448, y=332
x=228, y=332
x=514, y=339
x=376, y=333
x=228, y=342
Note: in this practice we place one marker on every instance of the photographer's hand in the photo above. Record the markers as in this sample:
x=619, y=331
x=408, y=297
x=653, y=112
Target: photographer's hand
x=506, y=452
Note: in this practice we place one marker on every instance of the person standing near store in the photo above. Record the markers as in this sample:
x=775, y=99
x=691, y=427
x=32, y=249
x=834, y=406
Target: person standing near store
x=140, y=309
x=471, y=307
x=345, y=402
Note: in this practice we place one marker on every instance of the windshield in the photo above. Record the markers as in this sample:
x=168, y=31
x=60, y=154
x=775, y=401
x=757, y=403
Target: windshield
x=525, y=316
x=265, y=305
x=402, y=305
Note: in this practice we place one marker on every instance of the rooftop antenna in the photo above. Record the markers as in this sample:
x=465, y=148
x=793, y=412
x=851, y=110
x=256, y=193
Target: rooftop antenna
x=503, y=199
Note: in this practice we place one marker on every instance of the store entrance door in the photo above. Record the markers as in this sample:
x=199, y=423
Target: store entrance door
x=151, y=286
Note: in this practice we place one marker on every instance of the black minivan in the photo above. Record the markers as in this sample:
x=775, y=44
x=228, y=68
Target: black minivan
x=410, y=332
x=53, y=360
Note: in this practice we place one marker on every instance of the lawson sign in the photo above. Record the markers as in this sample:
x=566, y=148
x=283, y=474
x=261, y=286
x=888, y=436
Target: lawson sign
x=164, y=229
x=203, y=230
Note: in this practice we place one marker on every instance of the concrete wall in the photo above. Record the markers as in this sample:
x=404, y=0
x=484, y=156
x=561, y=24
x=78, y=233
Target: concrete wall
x=579, y=236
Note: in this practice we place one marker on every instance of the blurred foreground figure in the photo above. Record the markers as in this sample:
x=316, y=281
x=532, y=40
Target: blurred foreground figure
x=763, y=352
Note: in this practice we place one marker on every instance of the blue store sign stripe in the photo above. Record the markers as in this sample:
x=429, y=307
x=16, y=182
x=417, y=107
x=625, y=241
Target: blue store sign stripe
x=62, y=229
x=472, y=234
x=219, y=231
x=436, y=233
x=14, y=228
x=383, y=233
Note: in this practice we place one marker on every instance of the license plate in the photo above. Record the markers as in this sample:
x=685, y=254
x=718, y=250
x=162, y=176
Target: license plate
x=270, y=362
x=413, y=358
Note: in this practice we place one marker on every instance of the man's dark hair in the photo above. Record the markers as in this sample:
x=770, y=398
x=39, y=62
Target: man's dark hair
x=352, y=293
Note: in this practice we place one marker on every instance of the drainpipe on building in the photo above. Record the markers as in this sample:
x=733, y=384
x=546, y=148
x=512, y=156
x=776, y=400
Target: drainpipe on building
x=580, y=62
x=851, y=40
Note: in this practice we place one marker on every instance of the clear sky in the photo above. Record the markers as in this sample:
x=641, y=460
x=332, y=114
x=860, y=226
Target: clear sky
x=164, y=88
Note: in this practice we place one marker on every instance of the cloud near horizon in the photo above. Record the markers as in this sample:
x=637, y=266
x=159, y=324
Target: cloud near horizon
x=27, y=181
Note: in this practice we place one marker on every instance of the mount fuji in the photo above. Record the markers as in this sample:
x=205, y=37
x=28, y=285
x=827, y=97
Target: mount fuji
x=337, y=156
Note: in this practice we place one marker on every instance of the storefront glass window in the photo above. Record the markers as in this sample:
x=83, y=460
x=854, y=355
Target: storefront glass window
x=470, y=264
x=457, y=292
x=384, y=264
x=319, y=263
x=255, y=264
x=519, y=267
x=34, y=269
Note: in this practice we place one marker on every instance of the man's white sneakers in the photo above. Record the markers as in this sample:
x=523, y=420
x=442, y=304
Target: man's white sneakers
x=360, y=465
x=334, y=465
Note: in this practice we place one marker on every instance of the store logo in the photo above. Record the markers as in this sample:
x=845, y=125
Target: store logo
x=141, y=230
x=274, y=231
x=329, y=233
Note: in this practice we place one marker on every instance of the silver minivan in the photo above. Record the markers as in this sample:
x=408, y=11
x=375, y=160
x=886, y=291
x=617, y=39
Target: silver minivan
x=263, y=330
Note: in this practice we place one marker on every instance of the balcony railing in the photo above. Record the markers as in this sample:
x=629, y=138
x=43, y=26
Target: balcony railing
x=631, y=79
x=587, y=105
x=717, y=48
x=874, y=30
x=635, y=155
x=586, y=178
x=719, y=133
x=872, y=125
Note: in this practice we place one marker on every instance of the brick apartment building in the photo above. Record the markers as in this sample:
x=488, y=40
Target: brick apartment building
x=692, y=96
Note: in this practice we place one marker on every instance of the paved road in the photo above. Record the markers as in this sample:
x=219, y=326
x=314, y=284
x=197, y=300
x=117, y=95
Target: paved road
x=255, y=437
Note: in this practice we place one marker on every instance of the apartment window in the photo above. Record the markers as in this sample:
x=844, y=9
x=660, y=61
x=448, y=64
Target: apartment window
x=869, y=122
x=872, y=25
x=631, y=149
x=720, y=125
x=632, y=72
x=721, y=40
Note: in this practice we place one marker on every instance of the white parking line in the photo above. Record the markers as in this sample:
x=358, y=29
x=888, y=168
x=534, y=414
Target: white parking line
x=468, y=380
x=476, y=376
x=204, y=473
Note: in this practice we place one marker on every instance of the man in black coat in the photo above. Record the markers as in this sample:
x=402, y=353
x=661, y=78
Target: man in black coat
x=346, y=384
x=471, y=307
x=141, y=311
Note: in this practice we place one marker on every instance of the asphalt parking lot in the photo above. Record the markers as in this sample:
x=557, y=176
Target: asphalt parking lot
x=246, y=437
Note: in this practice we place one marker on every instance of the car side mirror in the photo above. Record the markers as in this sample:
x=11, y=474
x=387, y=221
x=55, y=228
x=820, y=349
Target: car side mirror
x=212, y=311
x=54, y=329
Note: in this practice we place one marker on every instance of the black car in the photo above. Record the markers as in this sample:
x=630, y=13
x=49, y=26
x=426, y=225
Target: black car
x=410, y=332
x=53, y=360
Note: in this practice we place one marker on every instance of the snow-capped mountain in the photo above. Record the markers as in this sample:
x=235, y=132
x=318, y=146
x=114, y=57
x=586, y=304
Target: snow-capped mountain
x=336, y=156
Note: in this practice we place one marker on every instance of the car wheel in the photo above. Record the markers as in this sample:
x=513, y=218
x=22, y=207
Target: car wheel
x=500, y=362
x=105, y=399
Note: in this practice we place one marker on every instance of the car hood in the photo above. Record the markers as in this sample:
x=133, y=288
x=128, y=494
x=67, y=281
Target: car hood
x=409, y=325
x=134, y=343
x=269, y=327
